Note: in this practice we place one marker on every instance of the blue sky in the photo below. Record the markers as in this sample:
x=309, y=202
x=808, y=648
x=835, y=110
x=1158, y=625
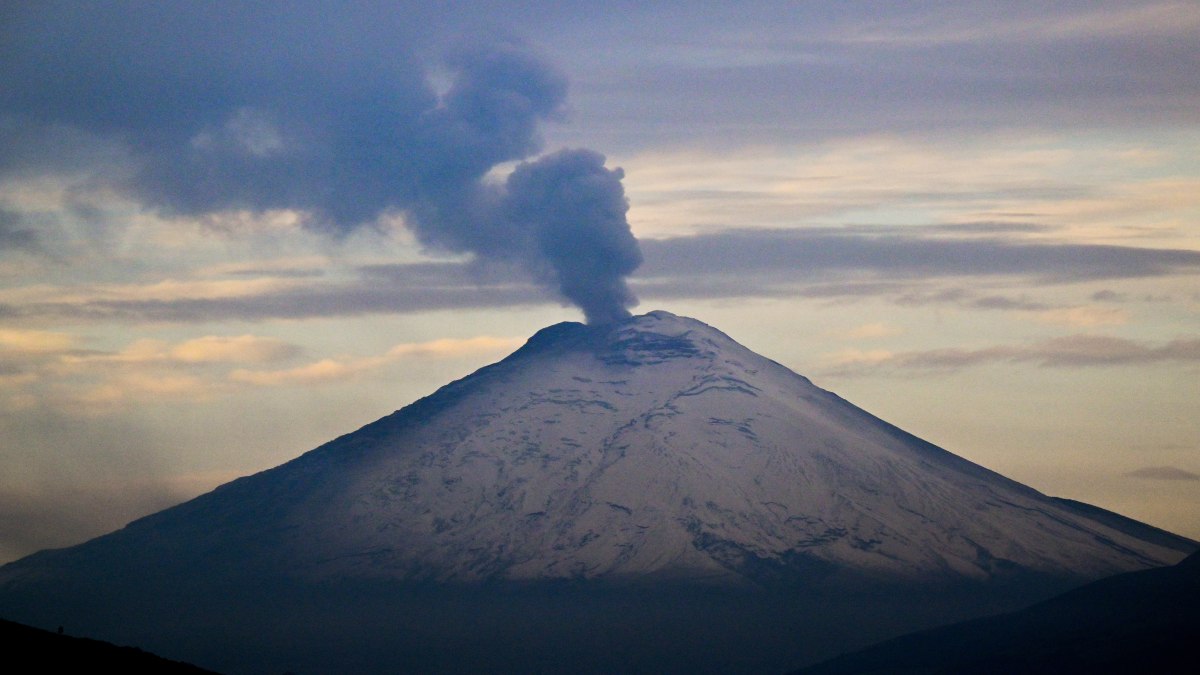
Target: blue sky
x=229, y=233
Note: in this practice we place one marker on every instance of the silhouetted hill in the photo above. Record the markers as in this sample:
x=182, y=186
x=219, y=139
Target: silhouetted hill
x=43, y=651
x=1137, y=622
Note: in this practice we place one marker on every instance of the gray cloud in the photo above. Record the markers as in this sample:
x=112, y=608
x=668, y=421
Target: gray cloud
x=1163, y=473
x=215, y=109
x=1005, y=303
x=307, y=302
x=828, y=264
x=220, y=112
x=1068, y=351
x=287, y=273
x=767, y=72
x=816, y=70
x=793, y=255
x=13, y=236
x=993, y=228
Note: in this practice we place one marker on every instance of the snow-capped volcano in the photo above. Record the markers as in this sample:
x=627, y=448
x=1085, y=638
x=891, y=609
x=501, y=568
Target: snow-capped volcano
x=646, y=451
x=652, y=447
x=658, y=446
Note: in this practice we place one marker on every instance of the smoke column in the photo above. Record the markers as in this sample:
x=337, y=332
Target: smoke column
x=272, y=108
x=561, y=216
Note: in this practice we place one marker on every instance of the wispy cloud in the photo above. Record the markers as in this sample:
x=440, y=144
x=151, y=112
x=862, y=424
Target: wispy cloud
x=206, y=349
x=38, y=367
x=361, y=139
x=13, y=235
x=1062, y=352
x=1083, y=317
x=962, y=26
x=847, y=69
x=34, y=341
x=242, y=348
x=257, y=300
x=129, y=387
x=899, y=253
x=1043, y=312
x=878, y=329
x=340, y=369
x=1163, y=473
x=318, y=372
x=147, y=371
x=897, y=262
x=454, y=348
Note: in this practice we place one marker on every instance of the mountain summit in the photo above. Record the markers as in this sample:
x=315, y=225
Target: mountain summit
x=644, y=452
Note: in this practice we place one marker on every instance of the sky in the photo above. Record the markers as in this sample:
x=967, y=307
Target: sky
x=231, y=232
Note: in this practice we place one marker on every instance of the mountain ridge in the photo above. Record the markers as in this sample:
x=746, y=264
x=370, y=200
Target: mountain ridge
x=1142, y=621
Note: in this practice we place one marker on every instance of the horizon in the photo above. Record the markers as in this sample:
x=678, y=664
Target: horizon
x=981, y=229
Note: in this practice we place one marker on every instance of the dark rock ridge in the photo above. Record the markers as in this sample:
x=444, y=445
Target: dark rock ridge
x=36, y=650
x=1136, y=622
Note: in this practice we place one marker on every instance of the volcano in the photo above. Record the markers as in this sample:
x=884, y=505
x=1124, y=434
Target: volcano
x=642, y=495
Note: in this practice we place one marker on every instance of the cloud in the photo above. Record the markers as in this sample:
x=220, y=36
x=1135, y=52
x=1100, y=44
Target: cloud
x=331, y=300
x=1005, y=303
x=325, y=370
x=207, y=349
x=13, y=236
x=1140, y=20
x=34, y=341
x=240, y=349
x=818, y=70
x=1163, y=473
x=453, y=348
x=824, y=263
x=142, y=386
x=1073, y=351
x=859, y=357
x=990, y=228
x=336, y=370
x=898, y=253
x=1082, y=317
x=218, y=119
x=1079, y=316
x=38, y=367
x=869, y=331
x=149, y=372
x=371, y=289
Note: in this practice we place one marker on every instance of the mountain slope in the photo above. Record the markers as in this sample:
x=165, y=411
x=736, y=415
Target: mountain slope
x=1136, y=622
x=654, y=447
x=654, y=452
x=43, y=650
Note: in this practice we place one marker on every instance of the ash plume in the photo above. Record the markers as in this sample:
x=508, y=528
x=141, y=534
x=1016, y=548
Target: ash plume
x=216, y=117
x=561, y=216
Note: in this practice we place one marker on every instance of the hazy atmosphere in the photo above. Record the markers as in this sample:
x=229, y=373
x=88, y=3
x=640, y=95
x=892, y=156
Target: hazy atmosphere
x=230, y=233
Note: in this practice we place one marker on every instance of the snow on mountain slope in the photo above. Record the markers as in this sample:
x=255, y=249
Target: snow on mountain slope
x=659, y=446
x=654, y=448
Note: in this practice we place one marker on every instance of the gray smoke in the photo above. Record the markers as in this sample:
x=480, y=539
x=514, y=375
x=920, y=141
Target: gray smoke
x=222, y=115
x=562, y=216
